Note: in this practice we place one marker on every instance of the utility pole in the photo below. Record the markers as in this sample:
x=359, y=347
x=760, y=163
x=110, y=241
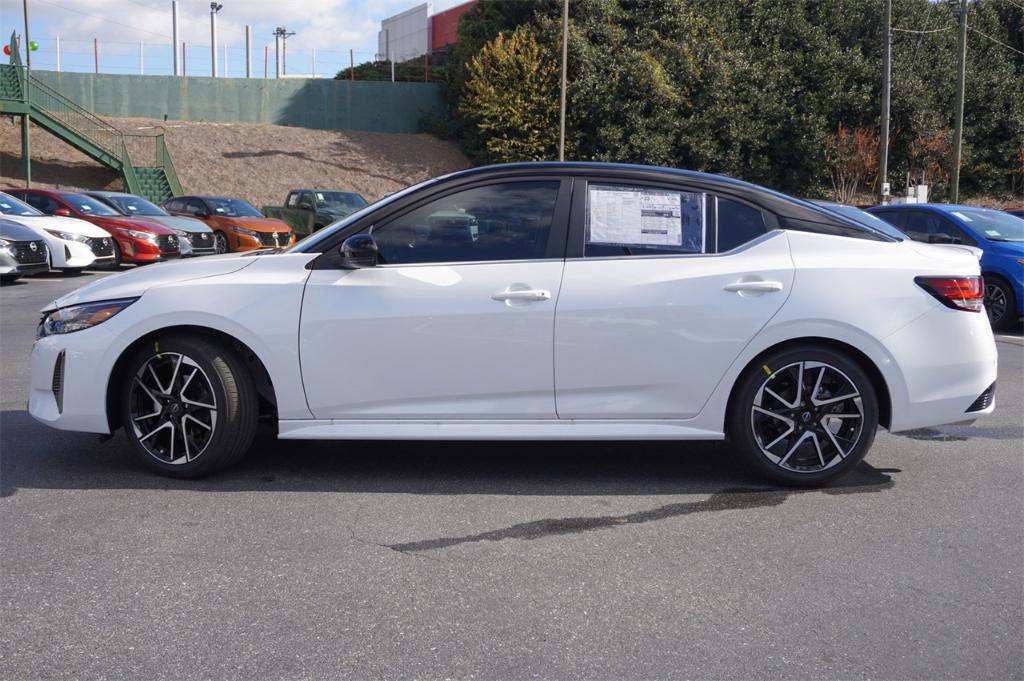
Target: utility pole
x=214, y=8
x=281, y=35
x=174, y=34
x=26, y=137
x=28, y=40
x=57, y=49
x=958, y=129
x=565, y=59
x=883, y=146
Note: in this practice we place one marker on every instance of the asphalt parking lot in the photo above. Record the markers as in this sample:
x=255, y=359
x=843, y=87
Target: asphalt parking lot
x=506, y=560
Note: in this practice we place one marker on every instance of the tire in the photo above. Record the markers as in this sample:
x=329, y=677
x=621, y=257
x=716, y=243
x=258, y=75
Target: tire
x=208, y=373
x=807, y=456
x=1000, y=303
x=118, y=257
x=220, y=242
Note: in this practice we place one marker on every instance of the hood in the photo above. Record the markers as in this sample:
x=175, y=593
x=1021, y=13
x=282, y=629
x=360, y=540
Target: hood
x=132, y=283
x=1010, y=248
x=178, y=222
x=72, y=225
x=15, y=231
x=259, y=224
x=145, y=224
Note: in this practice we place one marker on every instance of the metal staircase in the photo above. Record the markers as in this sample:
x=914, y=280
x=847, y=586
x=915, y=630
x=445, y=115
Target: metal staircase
x=143, y=161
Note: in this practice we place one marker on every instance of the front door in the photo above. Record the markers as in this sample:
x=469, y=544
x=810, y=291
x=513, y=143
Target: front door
x=457, y=319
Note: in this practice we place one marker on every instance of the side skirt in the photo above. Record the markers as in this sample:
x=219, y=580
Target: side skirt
x=344, y=429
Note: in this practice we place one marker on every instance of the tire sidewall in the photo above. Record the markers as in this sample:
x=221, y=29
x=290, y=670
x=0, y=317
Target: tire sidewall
x=741, y=431
x=1010, y=313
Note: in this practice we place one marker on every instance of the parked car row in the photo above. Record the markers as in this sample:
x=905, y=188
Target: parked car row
x=107, y=229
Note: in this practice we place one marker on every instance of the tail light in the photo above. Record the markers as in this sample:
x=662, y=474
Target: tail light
x=959, y=293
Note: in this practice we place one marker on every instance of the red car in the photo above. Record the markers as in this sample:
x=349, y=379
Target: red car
x=136, y=240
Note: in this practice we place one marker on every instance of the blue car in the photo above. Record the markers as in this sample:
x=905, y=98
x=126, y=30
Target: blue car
x=999, y=235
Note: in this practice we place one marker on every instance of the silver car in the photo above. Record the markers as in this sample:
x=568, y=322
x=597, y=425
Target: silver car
x=22, y=251
x=194, y=237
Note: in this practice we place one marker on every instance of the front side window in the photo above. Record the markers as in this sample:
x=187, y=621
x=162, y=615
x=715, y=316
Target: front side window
x=638, y=220
x=42, y=202
x=509, y=221
x=932, y=228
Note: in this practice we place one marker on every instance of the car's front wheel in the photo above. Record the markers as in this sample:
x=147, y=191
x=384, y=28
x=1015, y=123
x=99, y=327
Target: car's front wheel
x=220, y=242
x=804, y=415
x=189, y=405
x=1000, y=304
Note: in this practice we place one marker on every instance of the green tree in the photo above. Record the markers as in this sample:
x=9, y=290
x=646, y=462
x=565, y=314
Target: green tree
x=511, y=96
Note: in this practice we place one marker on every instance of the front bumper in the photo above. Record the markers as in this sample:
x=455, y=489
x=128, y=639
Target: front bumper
x=72, y=396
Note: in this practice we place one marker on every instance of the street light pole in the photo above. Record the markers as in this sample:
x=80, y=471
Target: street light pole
x=214, y=8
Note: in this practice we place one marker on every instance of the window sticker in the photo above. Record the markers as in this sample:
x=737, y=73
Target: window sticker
x=648, y=218
x=961, y=216
x=992, y=232
x=132, y=207
x=319, y=196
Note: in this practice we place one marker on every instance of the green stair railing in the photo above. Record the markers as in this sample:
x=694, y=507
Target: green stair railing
x=125, y=153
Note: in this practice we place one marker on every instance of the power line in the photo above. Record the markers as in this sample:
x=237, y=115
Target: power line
x=998, y=42
x=908, y=30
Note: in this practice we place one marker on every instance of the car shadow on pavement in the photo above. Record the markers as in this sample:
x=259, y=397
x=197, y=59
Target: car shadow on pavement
x=33, y=456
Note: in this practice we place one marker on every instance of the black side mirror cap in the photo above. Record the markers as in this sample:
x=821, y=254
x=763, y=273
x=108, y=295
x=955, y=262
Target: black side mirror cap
x=358, y=251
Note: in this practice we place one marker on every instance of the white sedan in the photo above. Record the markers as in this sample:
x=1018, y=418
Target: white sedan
x=536, y=302
x=73, y=244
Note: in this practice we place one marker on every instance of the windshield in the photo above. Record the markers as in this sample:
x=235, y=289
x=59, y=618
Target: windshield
x=233, y=208
x=343, y=200
x=863, y=217
x=134, y=205
x=12, y=206
x=88, y=205
x=994, y=225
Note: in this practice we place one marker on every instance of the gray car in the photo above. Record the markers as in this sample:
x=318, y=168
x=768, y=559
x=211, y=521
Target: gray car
x=21, y=251
x=194, y=237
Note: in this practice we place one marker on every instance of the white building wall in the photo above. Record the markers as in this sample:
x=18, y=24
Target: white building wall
x=406, y=35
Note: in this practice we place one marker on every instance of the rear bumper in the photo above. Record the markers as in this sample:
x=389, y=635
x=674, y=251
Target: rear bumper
x=947, y=359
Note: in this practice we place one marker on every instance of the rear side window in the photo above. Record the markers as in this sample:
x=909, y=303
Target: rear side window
x=638, y=220
x=173, y=205
x=738, y=223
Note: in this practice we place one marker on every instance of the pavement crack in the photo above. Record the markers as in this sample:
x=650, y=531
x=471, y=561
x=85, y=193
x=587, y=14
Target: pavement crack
x=725, y=500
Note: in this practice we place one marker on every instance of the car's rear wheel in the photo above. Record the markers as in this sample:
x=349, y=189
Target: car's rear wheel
x=1000, y=303
x=189, y=405
x=804, y=415
x=220, y=242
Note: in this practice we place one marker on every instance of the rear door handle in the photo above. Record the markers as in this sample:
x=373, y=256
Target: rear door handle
x=754, y=286
x=527, y=295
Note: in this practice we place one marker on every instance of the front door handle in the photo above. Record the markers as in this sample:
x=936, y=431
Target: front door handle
x=525, y=295
x=754, y=286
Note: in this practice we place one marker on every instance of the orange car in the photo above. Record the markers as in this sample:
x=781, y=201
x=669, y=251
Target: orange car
x=236, y=225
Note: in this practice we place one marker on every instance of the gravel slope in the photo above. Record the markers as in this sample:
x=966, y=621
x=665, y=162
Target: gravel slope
x=257, y=162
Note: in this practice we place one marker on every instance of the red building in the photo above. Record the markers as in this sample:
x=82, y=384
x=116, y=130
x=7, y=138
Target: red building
x=444, y=26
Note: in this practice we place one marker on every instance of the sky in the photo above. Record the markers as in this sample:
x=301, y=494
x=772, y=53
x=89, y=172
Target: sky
x=325, y=31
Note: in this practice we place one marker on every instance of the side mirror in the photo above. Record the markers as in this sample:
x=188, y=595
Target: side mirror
x=358, y=251
x=941, y=239
x=63, y=212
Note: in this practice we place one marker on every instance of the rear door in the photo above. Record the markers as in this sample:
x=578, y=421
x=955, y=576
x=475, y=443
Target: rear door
x=457, y=319
x=663, y=287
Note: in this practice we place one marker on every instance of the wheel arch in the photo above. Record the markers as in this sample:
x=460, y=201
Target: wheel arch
x=257, y=368
x=856, y=355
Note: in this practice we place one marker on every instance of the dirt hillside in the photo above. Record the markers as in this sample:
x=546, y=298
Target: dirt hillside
x=257, y=162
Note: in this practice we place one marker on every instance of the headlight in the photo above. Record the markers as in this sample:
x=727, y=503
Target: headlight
x=68, y=236
x=79, y=317
x=182, y=233
x=5, y=246
x=147, y=236
x=243, y=230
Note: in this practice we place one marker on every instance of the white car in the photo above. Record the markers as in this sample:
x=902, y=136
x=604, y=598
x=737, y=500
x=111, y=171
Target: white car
x=537, y=302
x=73, y=244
